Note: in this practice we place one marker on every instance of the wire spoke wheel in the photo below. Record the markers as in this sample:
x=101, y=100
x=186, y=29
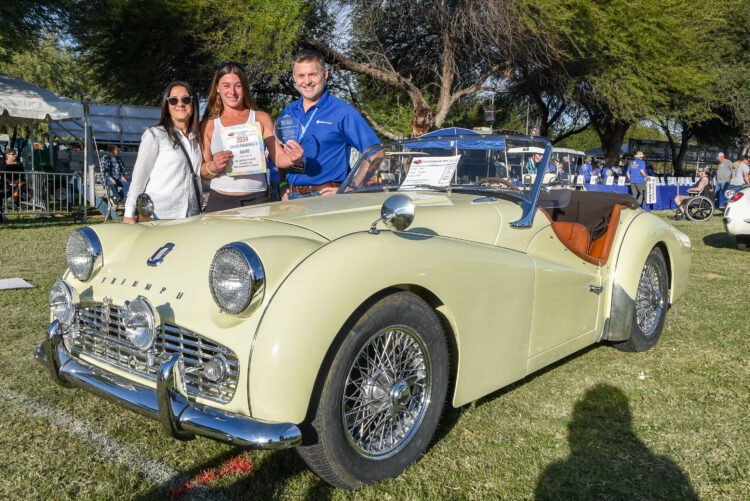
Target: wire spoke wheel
x=649, y=301
x=383, y=393
x=387, y=392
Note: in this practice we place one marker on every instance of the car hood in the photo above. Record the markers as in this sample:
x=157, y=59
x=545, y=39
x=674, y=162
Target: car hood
x=466, y=217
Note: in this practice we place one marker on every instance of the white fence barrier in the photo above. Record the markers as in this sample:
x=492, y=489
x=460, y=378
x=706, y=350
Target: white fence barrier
x=27, y=193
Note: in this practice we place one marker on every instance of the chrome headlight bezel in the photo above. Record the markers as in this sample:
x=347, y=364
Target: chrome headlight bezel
x=147, y=318
x=65, y=298
x=248, y=275
x=83, y=253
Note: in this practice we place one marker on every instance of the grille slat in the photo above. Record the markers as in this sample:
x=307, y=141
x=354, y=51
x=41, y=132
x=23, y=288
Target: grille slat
x=107, y=342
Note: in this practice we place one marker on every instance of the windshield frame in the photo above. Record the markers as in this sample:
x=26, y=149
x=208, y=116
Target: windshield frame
x=527, y=199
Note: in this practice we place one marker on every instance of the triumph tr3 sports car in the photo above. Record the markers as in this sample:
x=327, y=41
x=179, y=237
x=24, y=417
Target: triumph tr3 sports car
x=342, y=325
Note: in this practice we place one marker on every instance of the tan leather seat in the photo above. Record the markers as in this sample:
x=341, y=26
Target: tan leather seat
x=575, y=234
x=601, y=246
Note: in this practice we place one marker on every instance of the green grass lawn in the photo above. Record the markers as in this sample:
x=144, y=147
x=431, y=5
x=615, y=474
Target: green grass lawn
x=670, y=423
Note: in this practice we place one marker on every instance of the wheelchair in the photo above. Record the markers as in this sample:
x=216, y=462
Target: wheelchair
x=700, y=206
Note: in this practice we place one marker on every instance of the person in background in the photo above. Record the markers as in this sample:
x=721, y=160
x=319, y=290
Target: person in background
x=740, y=176
x=11, y=161
x=607, y=172
x=114, y=172
x=586, y=170
x=333, y=124
x=723, y=175
x=596, y=171
x=698, y=187
x=169, y=158
x=229, y=103
x=637, y=176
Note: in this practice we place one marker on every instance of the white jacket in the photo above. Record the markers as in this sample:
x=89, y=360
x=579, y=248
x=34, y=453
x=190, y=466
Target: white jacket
x=161, y=171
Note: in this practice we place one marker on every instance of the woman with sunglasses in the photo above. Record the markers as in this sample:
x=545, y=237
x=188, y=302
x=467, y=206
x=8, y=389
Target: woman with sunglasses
x=168, y=157
x=229, y=104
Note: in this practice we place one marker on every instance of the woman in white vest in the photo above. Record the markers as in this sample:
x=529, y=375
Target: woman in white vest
x=230, y=113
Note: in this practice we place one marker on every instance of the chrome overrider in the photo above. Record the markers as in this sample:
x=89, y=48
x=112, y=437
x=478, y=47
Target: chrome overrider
x=182, y=419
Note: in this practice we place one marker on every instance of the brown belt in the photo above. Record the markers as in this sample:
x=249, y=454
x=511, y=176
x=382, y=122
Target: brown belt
x=307, y=189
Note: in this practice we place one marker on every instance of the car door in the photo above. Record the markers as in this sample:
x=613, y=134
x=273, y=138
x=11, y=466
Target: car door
x=566, y=299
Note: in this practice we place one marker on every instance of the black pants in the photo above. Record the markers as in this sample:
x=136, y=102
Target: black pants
x=220, y=201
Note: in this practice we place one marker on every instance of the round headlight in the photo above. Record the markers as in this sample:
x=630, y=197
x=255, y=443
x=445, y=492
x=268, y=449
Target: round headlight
x=82, y=251
x=236, y=277
x=61, y=302
x=141, y=321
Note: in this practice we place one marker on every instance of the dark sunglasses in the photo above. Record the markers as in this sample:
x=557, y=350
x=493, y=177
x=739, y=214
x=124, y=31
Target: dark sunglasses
x=173, y=100
x=230, y=63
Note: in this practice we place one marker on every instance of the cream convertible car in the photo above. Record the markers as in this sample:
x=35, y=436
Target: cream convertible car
x=342, y=325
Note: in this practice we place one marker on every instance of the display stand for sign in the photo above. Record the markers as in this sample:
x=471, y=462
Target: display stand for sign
x=651, y=190
x=621, y=181
x=593, y=180
x=579, y=179
x=610, y=180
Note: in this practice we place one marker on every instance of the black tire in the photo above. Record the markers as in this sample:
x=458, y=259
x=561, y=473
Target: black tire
x=743, y=242
x=651, y=301
x=699, y=209
x=407, y=402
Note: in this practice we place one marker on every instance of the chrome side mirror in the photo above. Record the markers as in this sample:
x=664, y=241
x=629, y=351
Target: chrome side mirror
x=144, y=207
x=397, y=213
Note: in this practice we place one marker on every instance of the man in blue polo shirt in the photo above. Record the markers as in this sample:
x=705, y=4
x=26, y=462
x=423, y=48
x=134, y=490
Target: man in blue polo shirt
x=637, y=177
x=329, y=129
x=586, y=170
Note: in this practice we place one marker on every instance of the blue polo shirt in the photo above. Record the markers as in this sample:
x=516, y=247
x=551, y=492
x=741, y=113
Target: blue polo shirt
x=335, y=126
x=586, y=171
x=634, y=169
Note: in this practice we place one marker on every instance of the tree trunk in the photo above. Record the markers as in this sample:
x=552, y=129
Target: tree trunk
x=611, y=135
x=421, y=120
x=687, y=133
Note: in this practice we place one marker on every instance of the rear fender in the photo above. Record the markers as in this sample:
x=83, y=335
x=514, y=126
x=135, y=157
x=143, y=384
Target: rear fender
x=645, y=232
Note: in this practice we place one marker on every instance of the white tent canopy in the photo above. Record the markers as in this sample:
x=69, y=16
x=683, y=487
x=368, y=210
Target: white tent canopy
x=112, y=123
x=22, y=102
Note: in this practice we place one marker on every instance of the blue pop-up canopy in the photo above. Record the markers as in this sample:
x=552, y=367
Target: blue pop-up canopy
x=455, y=137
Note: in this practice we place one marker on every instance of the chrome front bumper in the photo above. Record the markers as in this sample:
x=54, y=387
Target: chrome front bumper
x=182, y=419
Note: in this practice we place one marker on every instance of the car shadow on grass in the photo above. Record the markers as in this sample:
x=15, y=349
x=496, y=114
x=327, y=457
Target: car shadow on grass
x=720, y=241
x=607, y=460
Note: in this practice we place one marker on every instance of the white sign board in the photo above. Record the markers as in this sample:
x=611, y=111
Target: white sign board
x=621, y=181
x=671, y=181
x=651, y=190
x=610, y=180
x=431, y=171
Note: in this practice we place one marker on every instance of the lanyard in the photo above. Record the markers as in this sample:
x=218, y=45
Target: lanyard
x=309, y=120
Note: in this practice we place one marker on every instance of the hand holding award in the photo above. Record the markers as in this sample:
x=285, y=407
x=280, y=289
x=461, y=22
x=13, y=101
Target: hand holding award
x=288, y=131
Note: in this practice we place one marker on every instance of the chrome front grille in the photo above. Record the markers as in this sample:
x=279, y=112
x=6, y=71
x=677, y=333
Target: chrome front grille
x=99, y=332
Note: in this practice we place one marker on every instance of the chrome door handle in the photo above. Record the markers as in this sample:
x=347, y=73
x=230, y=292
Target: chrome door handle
x=597, y=289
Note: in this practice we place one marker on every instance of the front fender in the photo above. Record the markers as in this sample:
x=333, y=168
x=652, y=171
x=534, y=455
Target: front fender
x=645, y=232
x=484, y=291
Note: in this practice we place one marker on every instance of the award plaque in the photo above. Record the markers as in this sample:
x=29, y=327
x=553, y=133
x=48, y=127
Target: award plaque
x=287, y=128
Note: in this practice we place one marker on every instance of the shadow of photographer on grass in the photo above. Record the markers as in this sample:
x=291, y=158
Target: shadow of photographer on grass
x=607, y=460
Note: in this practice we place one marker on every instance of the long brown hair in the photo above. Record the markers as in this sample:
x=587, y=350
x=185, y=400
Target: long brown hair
x=215, y=106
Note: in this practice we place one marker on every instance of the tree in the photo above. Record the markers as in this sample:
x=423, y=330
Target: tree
x=433, y=51
x=137, y=47
x=22, y=23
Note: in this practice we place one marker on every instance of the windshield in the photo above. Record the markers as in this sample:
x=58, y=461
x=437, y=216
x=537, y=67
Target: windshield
x=497, y=163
